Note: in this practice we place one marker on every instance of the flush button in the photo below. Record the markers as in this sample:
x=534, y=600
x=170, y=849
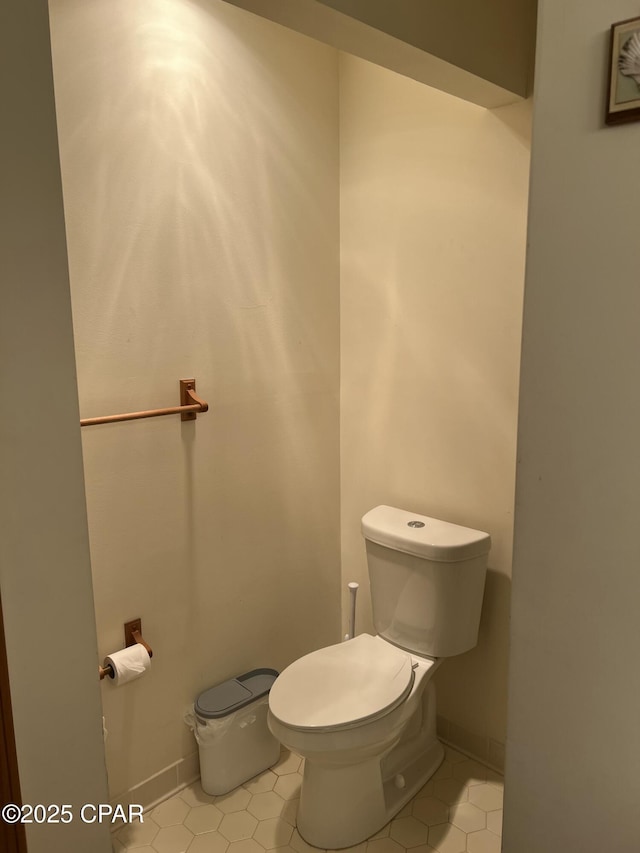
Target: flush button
x=415, y=524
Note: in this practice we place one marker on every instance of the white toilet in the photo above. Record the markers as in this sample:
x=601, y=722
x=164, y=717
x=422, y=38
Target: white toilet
x=362, y=712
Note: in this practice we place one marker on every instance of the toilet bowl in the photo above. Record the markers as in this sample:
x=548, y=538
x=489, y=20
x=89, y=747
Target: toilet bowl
x=362, y=713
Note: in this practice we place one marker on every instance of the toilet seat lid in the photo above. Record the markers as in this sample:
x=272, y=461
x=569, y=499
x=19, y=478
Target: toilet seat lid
x=342, y=685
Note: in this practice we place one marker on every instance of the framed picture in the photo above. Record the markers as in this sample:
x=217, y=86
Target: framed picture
x=623, y=93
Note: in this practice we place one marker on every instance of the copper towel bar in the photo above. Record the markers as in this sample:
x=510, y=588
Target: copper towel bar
x=190, y=405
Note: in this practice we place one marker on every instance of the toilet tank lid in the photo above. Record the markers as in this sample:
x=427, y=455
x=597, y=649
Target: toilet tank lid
x=422, y=536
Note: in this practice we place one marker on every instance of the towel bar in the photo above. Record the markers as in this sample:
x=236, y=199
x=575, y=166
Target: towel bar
x=190, y=405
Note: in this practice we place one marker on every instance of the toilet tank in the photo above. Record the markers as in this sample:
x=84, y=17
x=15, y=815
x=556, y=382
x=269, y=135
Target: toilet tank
x=427, y=580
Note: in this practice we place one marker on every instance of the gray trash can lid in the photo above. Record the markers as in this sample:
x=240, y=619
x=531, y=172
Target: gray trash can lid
x=231, y=695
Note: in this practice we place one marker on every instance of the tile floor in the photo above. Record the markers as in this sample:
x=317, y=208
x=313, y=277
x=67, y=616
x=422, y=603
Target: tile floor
x=458, y=811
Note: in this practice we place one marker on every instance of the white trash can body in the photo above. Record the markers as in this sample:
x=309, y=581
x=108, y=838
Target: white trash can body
x=229, y=722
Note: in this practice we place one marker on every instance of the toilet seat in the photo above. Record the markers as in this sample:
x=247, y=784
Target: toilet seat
x=342, y=686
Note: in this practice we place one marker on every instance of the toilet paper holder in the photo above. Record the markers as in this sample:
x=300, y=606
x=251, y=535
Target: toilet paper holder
x=132, y=635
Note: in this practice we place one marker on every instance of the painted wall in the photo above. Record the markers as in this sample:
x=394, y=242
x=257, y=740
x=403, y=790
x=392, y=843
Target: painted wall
x=200, y=156
x=433, y=210
x=481, y=52
x=44, y=555
x=573, y=752
x=199, y=153
x=493, y=39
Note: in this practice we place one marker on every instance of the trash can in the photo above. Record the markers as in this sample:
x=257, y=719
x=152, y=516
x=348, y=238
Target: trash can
x=229, y=722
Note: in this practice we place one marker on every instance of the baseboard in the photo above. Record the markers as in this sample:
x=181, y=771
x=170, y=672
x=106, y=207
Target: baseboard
x=161, y=785
x=483, y=749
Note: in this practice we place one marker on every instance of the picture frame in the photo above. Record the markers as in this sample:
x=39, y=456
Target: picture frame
x=623, y=91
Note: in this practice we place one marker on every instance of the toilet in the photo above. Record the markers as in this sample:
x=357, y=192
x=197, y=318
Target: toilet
x=362, y=712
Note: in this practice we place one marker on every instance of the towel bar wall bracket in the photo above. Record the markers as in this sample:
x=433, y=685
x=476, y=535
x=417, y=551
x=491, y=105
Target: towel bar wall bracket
x=188, y=397
x=190, y=406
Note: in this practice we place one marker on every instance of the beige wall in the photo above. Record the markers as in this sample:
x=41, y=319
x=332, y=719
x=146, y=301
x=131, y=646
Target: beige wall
x=481, y=52
x=44, y=556
x=199, y=155
x=433, y=209
x=573, y=750
x=494, y=39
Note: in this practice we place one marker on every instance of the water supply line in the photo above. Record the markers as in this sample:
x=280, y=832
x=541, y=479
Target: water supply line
x=353, y=591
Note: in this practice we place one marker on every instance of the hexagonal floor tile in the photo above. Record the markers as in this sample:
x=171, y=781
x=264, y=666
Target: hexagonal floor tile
x=381, y=833
x=470, y=772
x=430, y=811
x=455, y=811
x=264, y=806
x=451, y=791
x=405, y=811
x=384, y=845
x=135, y=849
x=203, y=819
x=288, y=786
x=409, y=831
x=170, y=813
x=425, y=791
x=358, y=848
x=290, y=811
x=234, y=801
x=494, y=821
x=289, y=763
x=447, y=839
x=483, y=842
x=486, y=797
x=424, y=848
x=193, y=795
x=273, y=832
x=248, y=846
x=211, y=842
x=259, y=784
x=299, y=844
x=445, y=771
x=238, y=826
x=138, y=834
x=118, y=848
x=468, y=817
x=172, y=839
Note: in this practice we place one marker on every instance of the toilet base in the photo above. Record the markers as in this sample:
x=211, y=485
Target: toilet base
x=343, y=805
x=330, y=816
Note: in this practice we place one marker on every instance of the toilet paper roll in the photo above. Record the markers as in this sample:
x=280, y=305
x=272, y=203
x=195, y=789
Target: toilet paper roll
x=128, y=664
